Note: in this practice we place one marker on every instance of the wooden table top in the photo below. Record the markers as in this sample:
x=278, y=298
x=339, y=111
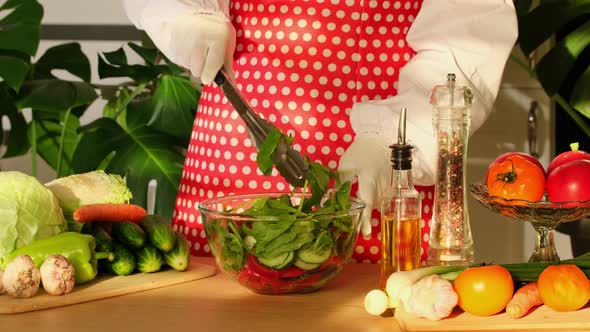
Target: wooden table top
x=219, y=304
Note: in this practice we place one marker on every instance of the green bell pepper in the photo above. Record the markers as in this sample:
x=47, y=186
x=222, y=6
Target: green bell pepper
x=78, y=248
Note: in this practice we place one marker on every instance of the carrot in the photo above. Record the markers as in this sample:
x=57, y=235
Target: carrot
x=110, y=212
x=525, y=298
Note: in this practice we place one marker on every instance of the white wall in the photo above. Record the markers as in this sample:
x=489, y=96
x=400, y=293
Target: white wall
x=84, y=12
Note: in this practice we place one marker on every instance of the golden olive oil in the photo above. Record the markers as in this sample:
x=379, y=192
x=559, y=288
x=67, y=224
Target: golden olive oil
x=400, y=246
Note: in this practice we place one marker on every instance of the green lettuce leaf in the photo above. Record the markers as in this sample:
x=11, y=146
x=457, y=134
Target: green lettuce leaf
x=95, y=187
x=28, y=212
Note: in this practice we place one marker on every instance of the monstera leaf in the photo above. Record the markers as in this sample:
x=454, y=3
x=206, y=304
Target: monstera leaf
x=137, y=152
x=19, y=39
x=56, y=139
x=68, y=57
x=146, y=123
x=175, y=103
x=555, y=69
x=18, y=142
x=115, y=64
x=55, y=95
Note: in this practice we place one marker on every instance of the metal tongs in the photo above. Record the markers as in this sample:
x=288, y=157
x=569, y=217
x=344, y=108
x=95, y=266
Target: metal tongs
x=289, y=162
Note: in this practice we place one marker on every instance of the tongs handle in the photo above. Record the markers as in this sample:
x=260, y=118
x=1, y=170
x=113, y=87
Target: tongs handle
x=258, y=129
x=288, y=161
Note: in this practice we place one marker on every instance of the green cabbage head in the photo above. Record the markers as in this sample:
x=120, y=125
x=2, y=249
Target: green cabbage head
x=28, y=212
x=96, y=187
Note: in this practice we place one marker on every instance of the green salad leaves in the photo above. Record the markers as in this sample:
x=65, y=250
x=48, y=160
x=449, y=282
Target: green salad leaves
x=294, y=228
x=304, y=220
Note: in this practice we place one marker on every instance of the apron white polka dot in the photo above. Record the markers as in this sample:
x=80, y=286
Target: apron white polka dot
x=302, y=65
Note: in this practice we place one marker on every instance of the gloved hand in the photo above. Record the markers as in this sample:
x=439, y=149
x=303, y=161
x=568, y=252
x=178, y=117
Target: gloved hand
x=199, y=39
x=368, y=158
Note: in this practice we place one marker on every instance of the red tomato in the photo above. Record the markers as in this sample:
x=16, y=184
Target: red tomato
x=564, y=287
x=515, y=177
x=526, y=156
x=569, y=182
x=566, y=157
x=292, y=272
x=255, y=266
x=265, y=280
x=256, y=278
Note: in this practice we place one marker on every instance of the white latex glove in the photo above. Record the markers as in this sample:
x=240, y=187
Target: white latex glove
x=474, y=45
x=367, y=158
x=194, y=34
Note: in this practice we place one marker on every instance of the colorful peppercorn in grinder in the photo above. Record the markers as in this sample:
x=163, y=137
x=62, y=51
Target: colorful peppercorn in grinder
x=450, y=241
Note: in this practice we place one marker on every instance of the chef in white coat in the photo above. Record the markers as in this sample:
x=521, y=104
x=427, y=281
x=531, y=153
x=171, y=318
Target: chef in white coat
x=332, y=73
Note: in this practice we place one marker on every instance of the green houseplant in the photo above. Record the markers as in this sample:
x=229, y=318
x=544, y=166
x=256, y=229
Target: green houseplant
x=145, y=125
x=566, y=62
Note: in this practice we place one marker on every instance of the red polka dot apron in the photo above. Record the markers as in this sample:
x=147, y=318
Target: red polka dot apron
x=302, y=65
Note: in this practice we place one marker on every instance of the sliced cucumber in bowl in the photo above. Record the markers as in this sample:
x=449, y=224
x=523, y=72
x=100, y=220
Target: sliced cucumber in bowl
x=309, y=256
x=277, y=262
x=306, y=266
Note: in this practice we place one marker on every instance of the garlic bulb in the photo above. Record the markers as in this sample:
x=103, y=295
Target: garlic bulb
x=21, y=278
x=432, y=297
x=1, y=287
x=57, y=275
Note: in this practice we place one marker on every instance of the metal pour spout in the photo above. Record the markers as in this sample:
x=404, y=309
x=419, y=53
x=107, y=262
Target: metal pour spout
x=401, y=129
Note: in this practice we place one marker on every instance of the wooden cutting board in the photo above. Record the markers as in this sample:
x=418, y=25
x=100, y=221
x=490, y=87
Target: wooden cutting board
x=106, y=286
x=541, y=319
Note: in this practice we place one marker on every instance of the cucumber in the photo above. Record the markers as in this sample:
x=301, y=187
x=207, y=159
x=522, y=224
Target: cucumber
x=179, y=257
x=87, y=228
x=124, y=262
x=158, y=232
x=149, y=259
x=307, y=255
x=277, y=262
x=287, y=261
x=129, y=234
x=305, y=266
x=104, y=241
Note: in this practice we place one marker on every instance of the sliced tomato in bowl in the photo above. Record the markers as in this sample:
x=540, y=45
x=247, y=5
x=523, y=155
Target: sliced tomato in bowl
x=255, y=266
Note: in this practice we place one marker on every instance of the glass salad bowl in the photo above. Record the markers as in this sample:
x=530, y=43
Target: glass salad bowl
x=269, y=245
x=544, y=216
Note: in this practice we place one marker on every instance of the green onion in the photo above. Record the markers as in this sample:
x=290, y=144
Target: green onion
x=528, y=272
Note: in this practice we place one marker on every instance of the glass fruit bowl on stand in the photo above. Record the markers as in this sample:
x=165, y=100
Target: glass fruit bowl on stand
x=265, y=244
x=543, y=215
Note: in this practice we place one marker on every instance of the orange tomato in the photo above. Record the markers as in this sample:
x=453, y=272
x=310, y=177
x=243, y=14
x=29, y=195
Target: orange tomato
x=516, y=177
x=484, y=291
x=564, y=287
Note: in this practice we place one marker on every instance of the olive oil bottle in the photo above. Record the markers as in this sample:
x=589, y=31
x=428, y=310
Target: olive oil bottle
x=400, y=212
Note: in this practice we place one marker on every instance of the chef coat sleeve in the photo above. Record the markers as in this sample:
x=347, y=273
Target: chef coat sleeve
x=472, y=39
x=134, y=8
